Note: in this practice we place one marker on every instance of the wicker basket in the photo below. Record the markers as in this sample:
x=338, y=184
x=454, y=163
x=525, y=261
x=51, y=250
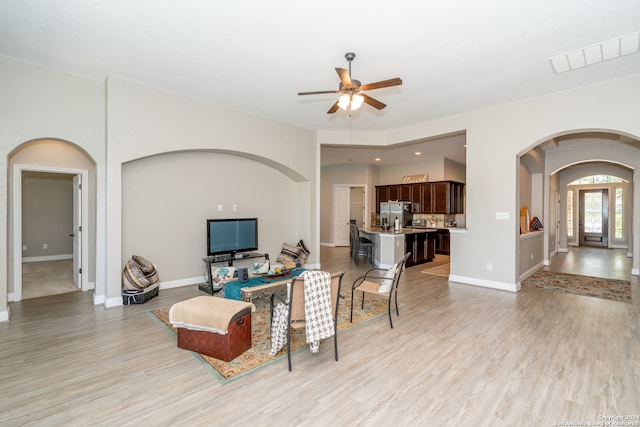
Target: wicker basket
x=140, y=297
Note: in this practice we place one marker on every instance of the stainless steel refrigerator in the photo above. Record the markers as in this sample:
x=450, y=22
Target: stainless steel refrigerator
x=390, y=211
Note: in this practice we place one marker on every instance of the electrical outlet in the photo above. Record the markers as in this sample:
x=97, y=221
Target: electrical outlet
x=219, y=208
x=531, y=256
x=235, y=208
x=489, y=265
x=24, y=247
x=45, y=246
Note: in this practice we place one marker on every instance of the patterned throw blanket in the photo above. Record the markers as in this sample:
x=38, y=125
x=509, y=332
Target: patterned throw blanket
x=317, y=308
x=318, y=313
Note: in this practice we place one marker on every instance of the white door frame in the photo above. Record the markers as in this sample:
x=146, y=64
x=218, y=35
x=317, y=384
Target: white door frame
x=17, y=221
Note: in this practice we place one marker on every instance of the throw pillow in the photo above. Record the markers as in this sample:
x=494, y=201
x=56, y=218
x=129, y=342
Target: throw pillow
x=133, y=279
x=387, y=282
x=304, y=252
x=147, y=269
x=288, y=254
x=219, y=275
x=259, y=268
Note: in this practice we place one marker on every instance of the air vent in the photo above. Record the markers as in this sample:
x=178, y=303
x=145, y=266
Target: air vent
x=605, y=51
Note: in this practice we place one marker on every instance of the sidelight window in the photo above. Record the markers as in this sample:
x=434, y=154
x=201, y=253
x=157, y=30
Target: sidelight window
x=570, y=213
x=618, y=213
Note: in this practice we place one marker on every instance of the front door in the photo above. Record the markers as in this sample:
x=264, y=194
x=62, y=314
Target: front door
x=594, y=218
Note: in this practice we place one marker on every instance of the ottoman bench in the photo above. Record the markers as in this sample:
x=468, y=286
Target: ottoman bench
x=216, y=327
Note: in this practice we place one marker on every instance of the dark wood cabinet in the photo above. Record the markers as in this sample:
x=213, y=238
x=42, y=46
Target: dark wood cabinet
x=400, y=192
x=457, y=197
x=382, y=195
x=422, y=247
x=409, y=243
x=404, y=193
x=422, y=198
x=447, y=197
x=392, y=191
x=441, y=197
x=442, y=242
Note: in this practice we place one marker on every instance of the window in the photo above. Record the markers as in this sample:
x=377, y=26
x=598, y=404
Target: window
x=596, y=179
x=570, y=213
x=618, y=213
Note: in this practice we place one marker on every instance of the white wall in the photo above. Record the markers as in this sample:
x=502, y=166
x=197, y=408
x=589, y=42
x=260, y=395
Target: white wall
x=42, y=103
x=433, y=166
x=144, y=121
x=167, y=198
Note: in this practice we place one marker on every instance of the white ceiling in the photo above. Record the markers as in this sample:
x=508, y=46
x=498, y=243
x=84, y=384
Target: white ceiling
x=454, y=56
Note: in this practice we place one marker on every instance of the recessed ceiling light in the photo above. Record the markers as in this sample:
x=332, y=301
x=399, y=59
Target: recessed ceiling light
x=596, y=53
x=417, y=153
x=377, y=159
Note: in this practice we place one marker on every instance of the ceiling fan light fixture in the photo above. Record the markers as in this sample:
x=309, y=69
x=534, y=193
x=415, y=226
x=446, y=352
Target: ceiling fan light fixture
x=344, y=101
x=352, y=102
x=356, y=101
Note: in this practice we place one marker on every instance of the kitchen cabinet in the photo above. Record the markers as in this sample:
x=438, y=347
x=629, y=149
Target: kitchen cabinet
x=440, y=197
x=382, y=195
x=422, y=197
x=447, y=197
x=422, y=247
x=404, y=193
x=442, y=241
x=400, y=192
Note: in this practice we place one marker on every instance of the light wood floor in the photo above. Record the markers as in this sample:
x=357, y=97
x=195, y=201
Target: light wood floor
x=458, y=356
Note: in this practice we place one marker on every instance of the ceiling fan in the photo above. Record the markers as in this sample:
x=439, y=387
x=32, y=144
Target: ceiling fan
x=352, y=91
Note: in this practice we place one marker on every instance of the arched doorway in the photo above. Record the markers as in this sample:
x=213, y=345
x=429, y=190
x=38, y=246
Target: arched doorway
x=57, y=157
x=547, y=168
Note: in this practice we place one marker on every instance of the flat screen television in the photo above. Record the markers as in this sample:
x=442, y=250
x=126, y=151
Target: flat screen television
x=228, y=236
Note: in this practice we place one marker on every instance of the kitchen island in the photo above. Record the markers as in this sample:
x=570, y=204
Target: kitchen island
x=391, y=245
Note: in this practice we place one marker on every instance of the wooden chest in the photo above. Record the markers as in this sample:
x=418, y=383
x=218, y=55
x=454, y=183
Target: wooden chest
x=224, y=347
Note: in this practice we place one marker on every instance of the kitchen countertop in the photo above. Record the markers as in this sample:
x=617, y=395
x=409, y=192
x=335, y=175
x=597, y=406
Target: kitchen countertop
x=405, y=230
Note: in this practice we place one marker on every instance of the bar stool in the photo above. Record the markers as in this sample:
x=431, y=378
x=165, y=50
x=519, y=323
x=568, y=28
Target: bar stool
x=360, y=246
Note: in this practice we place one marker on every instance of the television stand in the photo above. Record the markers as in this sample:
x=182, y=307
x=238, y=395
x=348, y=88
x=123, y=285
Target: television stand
x=227, y=258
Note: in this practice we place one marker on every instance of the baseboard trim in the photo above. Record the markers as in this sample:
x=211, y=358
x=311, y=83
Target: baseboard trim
x=4, y=315
x=182, y=282
x=510, y=287
x=47, y=258
x=530, y=271
x=98, y=299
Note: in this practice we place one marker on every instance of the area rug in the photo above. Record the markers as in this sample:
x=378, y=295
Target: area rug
x=258, y=355
x=611, y=289
x=440, y=270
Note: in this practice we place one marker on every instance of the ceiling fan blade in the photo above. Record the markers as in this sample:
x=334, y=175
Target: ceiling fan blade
x=384, y=83
x=333, y=108
x=344, y=77
x=318, y=92
x=373, y=102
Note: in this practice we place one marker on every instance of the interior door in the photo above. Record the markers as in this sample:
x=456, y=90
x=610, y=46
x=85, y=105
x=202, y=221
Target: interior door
x=342, y=210
x=594, y=218
x=77, y=230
